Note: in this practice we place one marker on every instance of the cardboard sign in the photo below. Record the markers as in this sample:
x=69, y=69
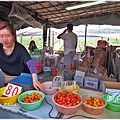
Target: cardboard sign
x=110, y=85
x=91, y=81
x=12, y=90
x=79, y=77
x=107, y=80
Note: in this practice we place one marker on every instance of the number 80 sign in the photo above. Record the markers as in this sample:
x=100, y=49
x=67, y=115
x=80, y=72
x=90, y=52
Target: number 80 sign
x=12, y=89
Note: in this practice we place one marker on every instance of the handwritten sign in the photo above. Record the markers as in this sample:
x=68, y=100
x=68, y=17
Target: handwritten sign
x=12, y=89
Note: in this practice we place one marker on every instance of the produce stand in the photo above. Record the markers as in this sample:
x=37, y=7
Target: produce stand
x=107, y=114
x=17, y=112
x=48, y=111
x=43, y=111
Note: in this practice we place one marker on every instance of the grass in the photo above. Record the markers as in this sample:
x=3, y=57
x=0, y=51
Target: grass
x=26, y=41
x=80, y=47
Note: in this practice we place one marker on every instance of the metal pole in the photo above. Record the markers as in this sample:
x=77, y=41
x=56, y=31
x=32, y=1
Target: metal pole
x=49, y=37
x=53, y=39
x=21, y=39
x=44, y=35
x=85, y=37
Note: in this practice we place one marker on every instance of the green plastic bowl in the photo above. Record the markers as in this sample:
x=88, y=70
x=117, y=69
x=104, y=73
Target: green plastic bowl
x=30, y=106
x=110, y=105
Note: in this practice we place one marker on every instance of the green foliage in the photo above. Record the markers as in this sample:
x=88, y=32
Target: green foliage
x=61, y=48
x=26, y=41
x=80, y=47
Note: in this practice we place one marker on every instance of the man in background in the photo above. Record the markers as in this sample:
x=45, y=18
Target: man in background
x=70, y=45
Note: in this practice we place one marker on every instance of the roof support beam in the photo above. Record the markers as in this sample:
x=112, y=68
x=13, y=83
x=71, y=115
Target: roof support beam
x=45, y=34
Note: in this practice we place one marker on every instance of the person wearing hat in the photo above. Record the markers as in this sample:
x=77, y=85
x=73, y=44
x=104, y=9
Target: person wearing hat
x=70, y=45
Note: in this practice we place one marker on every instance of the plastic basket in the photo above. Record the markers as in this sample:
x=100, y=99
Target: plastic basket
x=31, y=106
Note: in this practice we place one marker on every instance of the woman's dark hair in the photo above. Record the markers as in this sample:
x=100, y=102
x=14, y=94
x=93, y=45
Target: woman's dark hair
x=5, y=24
x=34, y=47
x=32, y=41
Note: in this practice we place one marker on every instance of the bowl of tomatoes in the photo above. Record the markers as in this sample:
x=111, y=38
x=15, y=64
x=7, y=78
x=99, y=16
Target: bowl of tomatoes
x=67, y=102
x=31, y=100
x=93, y=104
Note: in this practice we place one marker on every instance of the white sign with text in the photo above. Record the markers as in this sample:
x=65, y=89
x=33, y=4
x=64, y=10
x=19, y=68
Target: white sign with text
x=12, y=89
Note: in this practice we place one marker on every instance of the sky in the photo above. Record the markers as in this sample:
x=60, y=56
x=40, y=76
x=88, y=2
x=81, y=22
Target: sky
x=82, y=27
x=75, y=28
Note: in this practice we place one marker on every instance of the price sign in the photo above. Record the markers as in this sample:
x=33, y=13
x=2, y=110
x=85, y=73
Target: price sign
x=12, y=89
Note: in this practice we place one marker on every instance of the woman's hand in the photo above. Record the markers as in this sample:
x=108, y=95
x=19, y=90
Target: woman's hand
x=37, y=85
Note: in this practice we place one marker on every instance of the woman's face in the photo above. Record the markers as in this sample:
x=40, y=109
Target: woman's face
x=6, y=37
x=33, y=44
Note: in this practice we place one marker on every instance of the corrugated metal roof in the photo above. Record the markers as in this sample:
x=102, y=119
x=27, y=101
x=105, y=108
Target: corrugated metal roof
x=55, y=13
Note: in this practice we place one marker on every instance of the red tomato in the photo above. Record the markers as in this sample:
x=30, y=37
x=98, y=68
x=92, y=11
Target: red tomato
x=74, y=104
x=70, y=104
x=67, y=98
x=65, y=104
x=78, y=98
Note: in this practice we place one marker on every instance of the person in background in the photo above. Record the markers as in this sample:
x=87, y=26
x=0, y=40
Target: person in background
x=14, y=58
x=70, y=45
x=32, y=46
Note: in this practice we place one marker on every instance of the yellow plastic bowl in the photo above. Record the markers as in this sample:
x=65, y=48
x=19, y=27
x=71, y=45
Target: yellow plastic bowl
x=72, y=90
x=8, y=100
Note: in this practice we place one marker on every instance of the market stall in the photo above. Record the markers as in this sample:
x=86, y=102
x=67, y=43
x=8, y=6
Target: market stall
x=88, y=82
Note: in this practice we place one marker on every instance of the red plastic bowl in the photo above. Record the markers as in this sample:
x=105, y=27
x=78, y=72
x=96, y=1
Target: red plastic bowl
x=67, y=110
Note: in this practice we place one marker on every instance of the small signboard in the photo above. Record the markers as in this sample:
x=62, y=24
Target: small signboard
x=12, y=89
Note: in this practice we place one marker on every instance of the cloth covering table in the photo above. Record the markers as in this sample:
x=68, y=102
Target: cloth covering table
x=16, y=111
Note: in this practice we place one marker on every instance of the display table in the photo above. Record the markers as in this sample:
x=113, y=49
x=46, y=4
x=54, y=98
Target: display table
x=43, y=111
x=15, y=111
x=46, y=111
x=107, y=114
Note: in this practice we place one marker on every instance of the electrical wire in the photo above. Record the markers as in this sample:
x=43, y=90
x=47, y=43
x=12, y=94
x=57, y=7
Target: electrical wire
x=81, y=116
x=58, y=117
x=61, y=115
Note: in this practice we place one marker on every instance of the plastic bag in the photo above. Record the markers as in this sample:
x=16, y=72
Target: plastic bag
x=23, y=16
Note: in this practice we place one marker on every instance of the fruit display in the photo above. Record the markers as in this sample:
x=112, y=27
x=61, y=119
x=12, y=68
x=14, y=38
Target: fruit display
x=94, y=101
x=31, y=100
x=67, y=98
x=67, y=102
x=34, y=97
x=93, y=104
